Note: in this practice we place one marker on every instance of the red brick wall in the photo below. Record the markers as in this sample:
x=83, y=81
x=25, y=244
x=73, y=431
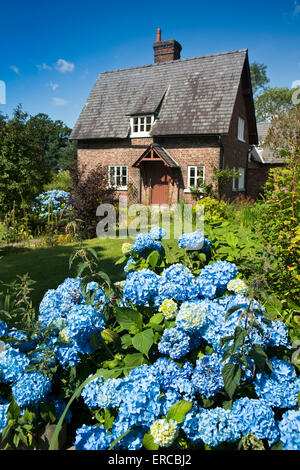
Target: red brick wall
x=235, y=151
x=187, y=151
x=184, y=150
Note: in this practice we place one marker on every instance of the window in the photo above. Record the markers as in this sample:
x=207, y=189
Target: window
x=195, y=177
x=117, y=177
x=241, y=129
x=238, y=182
x=141, y=125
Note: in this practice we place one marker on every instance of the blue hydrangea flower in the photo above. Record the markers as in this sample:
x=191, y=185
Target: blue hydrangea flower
x=289, y=428
x=206, y=289
x=167, y=400
x=219, y=274
x=173, y=378
x=12, y=364
x=194, y=241
x=144, y=244
x=3, y=415
x=92, y=438
x=132, y=441
x=51, y=202
x=32, y=387
x=157, y=233
x=212, y=427
x=207, y=377
x=281, y=388
x=174, y=342
x=83, y=322
x=140, y=287
x=73, y=321
x=255, y=417
x=177, y=283
x=102, y=394
x=23, y=344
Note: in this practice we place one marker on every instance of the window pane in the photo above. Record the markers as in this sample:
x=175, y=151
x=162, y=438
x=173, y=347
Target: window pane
x=124, y=170
x=149, y=120
x=192, y=171
x=200, y=171
x=112, y=176
x=135, y=128
x=241, y=129
x=241, y=179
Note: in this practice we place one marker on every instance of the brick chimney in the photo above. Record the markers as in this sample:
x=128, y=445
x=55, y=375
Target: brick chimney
x=164, y=51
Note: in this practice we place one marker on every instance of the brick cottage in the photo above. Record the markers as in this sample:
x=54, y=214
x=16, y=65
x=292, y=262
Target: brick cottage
x=160, y=128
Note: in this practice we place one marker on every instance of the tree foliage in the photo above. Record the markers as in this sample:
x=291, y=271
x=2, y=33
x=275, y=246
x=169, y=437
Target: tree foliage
x=32, y=148
x=272, y=102
x=259, y=77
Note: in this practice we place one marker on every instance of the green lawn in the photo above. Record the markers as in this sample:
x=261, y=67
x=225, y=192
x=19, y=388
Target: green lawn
x=50, y=266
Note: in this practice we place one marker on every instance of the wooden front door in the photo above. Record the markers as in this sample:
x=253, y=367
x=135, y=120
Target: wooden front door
x=157, y=176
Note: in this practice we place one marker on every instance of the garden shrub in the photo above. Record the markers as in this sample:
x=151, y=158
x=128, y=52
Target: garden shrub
x=168, y=358
x=90, y=189
x=278, y=223
x=61, y=181
x=214, y=209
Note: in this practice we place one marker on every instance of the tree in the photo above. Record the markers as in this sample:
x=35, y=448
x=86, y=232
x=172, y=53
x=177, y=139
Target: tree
x=54, y=137
x=272, y=102
x=32, y=149
x=284, y=133
x=259, y=77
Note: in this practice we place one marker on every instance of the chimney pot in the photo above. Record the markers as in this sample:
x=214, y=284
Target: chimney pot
x=158, y=36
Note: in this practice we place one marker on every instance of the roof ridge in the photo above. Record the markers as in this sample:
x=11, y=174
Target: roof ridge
x=174, y=61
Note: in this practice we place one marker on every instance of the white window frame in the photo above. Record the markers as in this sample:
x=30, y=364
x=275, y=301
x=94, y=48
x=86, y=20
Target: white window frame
x=241, y=129
x=195, y=167
x=139, y=121
x=112, y=184
x=238, y=184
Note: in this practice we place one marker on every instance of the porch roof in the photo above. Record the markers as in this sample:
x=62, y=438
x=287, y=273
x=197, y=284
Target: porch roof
x=155, y=153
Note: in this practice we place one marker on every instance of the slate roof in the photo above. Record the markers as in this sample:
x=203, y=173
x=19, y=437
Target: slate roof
x=263, y=153
x=194, y=96
x=263, y=130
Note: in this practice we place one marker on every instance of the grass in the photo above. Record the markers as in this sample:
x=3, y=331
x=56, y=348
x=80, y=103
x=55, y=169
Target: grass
x=50, y=266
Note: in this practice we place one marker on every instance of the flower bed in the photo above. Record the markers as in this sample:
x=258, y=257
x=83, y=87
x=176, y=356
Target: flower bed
x=170, y=358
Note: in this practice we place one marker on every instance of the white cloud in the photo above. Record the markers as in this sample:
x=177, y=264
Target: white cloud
x=296, y=9
x=63, y=66
x=15, y=69
x=52, y=85
x=44, y=67
x=59, y=101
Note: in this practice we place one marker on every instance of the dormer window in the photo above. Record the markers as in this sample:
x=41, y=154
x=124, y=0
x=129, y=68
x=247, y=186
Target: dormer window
x=141, y=125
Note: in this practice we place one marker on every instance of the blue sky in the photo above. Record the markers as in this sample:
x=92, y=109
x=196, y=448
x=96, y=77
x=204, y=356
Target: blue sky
x=52, y=51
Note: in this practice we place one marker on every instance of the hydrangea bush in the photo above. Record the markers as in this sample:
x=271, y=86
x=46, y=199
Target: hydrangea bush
x=51, y=203
x=173, y=357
